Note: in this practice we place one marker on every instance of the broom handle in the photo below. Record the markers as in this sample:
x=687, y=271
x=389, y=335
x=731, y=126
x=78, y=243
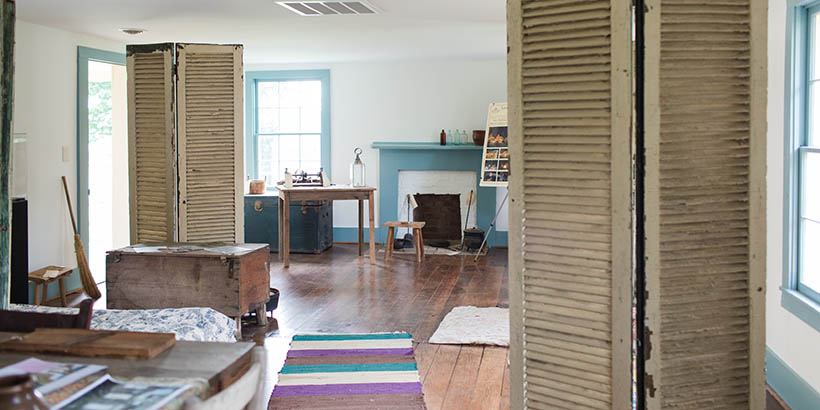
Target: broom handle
x=70, y=210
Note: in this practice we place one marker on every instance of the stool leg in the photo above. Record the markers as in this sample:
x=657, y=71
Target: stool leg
x=419, y=246
x=421, y=242
x=37, y=300
x=45, y=292
x=388, y=252
x=62, y=292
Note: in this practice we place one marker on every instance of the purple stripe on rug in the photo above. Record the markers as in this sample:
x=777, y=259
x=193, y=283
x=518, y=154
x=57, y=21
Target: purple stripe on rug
x=348, y=389
x=350, y=352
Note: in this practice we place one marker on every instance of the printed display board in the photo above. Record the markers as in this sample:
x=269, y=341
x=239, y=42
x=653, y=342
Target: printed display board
x=495, y=161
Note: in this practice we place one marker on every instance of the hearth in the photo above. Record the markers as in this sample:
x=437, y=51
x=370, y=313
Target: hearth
x=442, y=215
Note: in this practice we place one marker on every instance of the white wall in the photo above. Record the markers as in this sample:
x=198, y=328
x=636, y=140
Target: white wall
x=402, y=101
x=45, y=99
x=789, y=337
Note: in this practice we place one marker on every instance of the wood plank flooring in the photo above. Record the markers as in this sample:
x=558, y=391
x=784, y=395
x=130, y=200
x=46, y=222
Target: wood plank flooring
x=338, y=292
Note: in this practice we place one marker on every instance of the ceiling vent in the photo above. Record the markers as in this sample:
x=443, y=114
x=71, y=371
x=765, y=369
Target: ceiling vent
x=328, y=8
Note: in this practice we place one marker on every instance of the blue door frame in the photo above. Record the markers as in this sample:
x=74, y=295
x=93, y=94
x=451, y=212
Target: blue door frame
x=84, y=55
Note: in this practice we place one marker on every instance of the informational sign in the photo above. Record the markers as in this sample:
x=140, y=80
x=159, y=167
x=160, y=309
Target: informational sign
x=495, y=162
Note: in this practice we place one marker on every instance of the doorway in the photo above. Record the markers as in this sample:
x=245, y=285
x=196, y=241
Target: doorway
x=102, y=155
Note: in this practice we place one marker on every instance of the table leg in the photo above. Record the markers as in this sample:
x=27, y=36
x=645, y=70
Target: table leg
x=238, y=320
x=37, y=300
x=261, y=315
x=361, y=225
x=372, y=231
x=62, y=292
x=45, y=292
x=286, y=231
x=388, y=247
x=280, y=213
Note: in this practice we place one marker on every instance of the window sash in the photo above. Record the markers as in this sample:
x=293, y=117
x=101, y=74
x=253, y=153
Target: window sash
x=254, y=134
x=804, y=145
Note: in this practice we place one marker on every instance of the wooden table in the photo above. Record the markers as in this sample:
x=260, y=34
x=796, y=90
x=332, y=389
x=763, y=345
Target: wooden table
x=330, y=193
x=38, y=278
x=225, y=362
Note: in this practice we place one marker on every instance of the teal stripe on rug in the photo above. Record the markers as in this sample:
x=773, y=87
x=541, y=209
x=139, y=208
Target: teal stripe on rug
x=335, y=368
x=375, y=336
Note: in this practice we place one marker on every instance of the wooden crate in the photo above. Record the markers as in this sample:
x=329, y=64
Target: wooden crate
x=234, y=279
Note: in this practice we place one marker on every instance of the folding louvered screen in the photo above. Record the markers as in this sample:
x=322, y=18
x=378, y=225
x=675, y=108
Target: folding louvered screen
x=705, y=177
x=210, y=110
x=151, y=147
x=570, y=252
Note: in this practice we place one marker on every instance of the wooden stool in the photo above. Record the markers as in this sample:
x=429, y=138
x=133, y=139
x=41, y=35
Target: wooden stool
x=39, y=279
x=391, y=234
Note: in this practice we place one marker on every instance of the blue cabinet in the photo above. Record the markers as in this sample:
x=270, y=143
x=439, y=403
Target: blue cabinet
x=311, y=223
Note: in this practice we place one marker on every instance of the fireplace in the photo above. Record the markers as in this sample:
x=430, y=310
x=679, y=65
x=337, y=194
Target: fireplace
x=442, y=216
x=400, y=162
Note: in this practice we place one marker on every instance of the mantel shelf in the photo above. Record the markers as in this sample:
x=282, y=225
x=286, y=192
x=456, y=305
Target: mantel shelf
x=423, y=146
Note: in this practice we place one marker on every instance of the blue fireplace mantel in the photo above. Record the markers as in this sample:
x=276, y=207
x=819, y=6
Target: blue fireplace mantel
x=430, y=156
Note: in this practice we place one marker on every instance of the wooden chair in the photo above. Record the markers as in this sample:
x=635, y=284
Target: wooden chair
x=247, y=392
x=391, y=236
x=15, y=321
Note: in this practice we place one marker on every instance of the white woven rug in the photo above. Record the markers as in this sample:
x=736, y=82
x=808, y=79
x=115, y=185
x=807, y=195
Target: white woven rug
x=470, y=325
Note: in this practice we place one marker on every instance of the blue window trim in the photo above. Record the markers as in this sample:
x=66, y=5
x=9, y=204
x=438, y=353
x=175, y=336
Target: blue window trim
x=254, y=77
x=84, y=55
x=798, y=43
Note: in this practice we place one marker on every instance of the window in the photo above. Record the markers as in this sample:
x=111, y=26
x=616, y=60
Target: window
x=801, y=273
x=808, y=165
x=290, y=124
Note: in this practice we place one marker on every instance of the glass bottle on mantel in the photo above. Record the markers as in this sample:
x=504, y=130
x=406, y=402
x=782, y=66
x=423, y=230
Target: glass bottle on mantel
x=357, y=169
x=443, y=138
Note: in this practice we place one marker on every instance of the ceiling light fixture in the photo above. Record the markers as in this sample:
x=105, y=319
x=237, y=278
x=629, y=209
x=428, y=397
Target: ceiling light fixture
x=329, y=8
x=132, y=31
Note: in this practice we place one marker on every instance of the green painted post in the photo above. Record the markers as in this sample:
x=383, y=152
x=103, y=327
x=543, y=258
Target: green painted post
x=6, y=96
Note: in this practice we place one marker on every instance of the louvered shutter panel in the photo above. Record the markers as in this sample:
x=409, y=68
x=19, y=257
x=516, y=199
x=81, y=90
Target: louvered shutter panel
x=210, y=110
x=570, y=278
x=152, y=176
x=705, y=178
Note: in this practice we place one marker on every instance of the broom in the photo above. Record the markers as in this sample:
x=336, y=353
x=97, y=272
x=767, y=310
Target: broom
x=89, y=286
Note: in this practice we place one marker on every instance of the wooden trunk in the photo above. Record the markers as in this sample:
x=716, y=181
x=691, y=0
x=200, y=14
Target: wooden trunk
x=311, y=223
x=233, y=279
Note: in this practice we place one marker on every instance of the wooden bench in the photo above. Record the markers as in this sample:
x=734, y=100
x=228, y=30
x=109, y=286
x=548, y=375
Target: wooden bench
x=417, y=238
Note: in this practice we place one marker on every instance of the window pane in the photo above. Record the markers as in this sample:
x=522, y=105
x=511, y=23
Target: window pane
x=311, y=94
x=311, y=119
x=268, y=160
x=810, y=207
x=268, y=120
x=311, y=148
x=289, y=148
x=289, y=120
x=268, y=94
x=810, y=258
x=290, y=94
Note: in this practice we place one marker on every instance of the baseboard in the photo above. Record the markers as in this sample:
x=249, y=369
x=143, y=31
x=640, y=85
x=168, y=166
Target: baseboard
x=351, y=235
x=797, y=394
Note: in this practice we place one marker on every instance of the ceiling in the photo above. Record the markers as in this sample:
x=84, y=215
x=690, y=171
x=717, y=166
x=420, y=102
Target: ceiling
x=406, y=29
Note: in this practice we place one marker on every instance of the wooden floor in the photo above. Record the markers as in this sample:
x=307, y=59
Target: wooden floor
x=337, y=292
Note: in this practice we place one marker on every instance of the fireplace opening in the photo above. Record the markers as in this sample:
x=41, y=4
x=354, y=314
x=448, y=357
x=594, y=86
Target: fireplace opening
x=442, y=216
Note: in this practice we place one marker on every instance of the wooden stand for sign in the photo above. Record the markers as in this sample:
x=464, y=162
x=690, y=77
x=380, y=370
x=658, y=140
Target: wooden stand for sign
x=492, y=225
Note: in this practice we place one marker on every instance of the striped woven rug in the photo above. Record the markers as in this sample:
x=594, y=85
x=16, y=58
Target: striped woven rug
x=356, y=371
